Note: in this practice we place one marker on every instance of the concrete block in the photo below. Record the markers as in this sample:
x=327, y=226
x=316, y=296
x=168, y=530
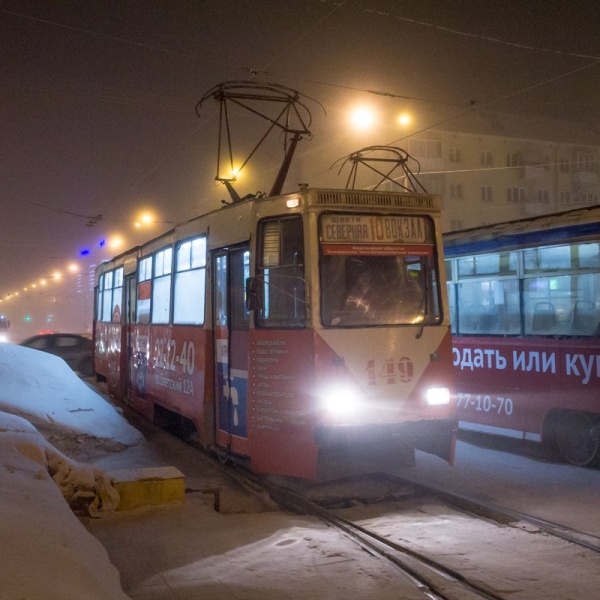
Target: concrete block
x=148, y=486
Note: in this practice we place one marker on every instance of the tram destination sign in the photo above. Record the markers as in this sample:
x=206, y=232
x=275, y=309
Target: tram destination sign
x=374, y=229
x=375, y=235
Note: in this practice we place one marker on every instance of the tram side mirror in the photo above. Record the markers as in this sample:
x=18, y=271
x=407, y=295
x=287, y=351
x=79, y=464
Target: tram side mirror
x=255, y=293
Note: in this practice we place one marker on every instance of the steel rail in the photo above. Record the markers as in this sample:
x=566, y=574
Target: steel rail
x=503, y=514
x=410, y=562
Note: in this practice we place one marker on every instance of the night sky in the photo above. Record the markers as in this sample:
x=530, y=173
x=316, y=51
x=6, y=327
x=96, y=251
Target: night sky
x=98, y=97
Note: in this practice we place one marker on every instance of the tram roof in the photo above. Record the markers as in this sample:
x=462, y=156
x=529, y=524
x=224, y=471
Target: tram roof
x=338, y=198
x=578, y=224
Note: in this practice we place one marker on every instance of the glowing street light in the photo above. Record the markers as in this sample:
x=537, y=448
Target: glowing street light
x=116, y=242
x=145, y=220
x=362, y=117
x=404, y=119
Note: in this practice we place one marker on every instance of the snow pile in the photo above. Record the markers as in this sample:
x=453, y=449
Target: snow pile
x=43, y=389
x=47, y=553
x=83, y=487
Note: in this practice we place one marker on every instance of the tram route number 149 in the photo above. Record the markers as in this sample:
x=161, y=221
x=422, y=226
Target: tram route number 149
x=485, y=403
x=166, y=356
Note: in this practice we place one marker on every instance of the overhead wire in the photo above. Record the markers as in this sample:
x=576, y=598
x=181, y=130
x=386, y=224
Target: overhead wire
x=336, y=7
x=499, y=99
x=477, y=36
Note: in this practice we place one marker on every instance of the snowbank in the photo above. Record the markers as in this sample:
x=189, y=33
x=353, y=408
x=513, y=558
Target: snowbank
x=47, y=553
x=43, y=389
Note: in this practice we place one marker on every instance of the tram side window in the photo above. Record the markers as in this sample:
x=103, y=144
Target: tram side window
x=561, y=292
x=489, y=307
x=107, y=296
x=144, y=290
x=117, y=296
x=190, y=282
x=110, y=296
x=562, y=305
x=161, y=286
x=281, y=271
x=487, y=295
x=99, y=296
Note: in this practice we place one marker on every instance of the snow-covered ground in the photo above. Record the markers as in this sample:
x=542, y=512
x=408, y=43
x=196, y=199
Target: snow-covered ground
x=245, y=551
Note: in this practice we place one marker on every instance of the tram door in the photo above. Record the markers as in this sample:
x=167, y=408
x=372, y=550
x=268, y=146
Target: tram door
x=231, y=268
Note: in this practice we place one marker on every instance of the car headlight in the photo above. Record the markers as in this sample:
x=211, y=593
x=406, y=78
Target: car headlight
x=438, y=396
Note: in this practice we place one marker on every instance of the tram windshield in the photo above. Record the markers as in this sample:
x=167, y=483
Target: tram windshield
x=378, y=271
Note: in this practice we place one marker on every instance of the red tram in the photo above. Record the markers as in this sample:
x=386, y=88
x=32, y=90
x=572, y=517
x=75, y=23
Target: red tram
x=306, y=334
x=525, y=304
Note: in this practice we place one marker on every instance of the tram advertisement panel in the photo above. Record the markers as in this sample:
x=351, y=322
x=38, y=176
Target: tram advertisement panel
x=281, y=418
x=511, y=384
x=168, y=363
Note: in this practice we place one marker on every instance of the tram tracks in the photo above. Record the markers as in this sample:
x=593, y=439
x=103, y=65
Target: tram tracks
x=445, y=577
x=503, y=514
x=431, y=578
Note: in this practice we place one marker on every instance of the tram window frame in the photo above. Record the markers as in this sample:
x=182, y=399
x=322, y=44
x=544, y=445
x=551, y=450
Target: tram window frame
x=162, y=275
x=491, y=279
x=484, y=315
x=107, y=296
x=361, y=289
x=558, y=294
x=110, y=296
x=117, y=296
x=99, y=290
x=189, y=282
x=280, y=257
x=479, y=265
x=144, y=290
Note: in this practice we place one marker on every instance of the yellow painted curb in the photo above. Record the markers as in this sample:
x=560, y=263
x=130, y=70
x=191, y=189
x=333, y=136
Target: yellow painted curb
x=148, y=486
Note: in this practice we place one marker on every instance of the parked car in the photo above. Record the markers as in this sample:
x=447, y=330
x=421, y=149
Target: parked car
x=74, y=349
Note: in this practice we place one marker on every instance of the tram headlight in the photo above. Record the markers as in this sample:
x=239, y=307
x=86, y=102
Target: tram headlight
x=438, y=396
x=341, y=400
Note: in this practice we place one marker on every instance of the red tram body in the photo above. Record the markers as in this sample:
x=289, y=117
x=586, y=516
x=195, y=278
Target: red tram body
x=525, y=304
x=245, y=327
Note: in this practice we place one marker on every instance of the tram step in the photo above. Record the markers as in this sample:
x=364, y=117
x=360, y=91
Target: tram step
x=148, y=486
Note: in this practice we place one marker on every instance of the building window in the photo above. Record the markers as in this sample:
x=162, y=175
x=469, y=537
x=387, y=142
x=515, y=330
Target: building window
x=426, y=148
x=564, y=198
x=456, y=191
x=486, y=158
x=456, y=224
x=544, y=196
x=486, y=193
x=586, y=162
x=515, y=195
x=455, y=155
x=590, y=199
x=513, y=159
x=564, y=165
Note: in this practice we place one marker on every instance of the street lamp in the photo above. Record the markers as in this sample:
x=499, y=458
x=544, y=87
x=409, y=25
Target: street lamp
x=404, y=119
x=362, y=117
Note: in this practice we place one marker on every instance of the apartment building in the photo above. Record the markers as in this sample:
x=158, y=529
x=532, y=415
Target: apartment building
x=491, y=167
